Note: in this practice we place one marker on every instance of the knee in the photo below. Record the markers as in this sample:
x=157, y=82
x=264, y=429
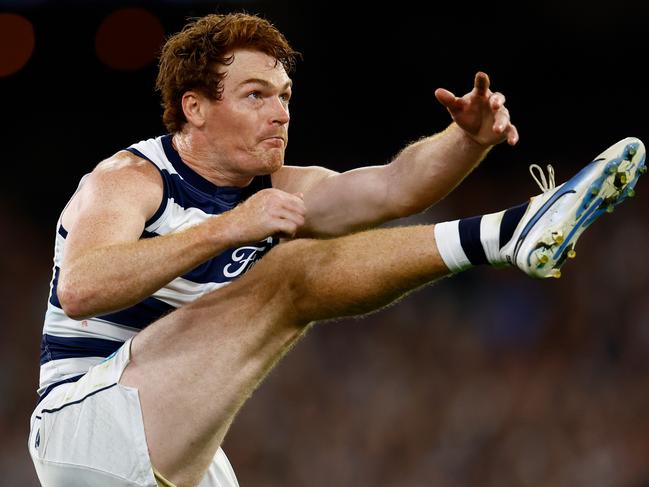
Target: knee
x=296, y=265
x=292, y=261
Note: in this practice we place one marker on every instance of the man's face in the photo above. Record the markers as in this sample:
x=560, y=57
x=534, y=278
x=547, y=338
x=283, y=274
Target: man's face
x=248, y=127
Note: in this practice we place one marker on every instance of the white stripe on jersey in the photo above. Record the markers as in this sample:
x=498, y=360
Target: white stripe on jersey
x=60, y=370
x=153, y=150
x=57, y=323
x=181, y=218
x=181, y=291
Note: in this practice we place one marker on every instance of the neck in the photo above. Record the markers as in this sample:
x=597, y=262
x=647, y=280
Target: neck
x=205, y=162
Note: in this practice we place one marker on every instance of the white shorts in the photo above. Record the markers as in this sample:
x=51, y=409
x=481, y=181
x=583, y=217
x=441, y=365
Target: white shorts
x=90, y=433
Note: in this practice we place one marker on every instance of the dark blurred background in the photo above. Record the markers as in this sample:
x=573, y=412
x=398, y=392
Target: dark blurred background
x=488, y=378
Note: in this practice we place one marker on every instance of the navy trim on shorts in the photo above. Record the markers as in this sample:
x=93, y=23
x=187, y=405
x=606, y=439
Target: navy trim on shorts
x=78, y=401
x=51, y=387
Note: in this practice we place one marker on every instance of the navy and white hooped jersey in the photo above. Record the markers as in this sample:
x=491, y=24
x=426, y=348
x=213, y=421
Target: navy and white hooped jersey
x=70, y=347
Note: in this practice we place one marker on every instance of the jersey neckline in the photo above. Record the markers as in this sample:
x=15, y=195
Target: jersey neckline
x=195, y=179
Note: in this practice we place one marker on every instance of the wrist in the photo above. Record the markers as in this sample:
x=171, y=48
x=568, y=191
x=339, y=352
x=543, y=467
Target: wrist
x=221, y=232
x=467, y=141
x=464, y=137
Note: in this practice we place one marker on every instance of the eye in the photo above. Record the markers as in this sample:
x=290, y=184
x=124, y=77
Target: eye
x=285, y=97
x=254, y=95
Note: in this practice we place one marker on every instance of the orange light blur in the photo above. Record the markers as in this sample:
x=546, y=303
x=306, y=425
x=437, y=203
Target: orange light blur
x=16, y=43
x=129, y=39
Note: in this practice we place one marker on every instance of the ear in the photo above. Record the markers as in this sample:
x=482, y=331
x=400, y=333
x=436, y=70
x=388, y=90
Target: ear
x=193, y=108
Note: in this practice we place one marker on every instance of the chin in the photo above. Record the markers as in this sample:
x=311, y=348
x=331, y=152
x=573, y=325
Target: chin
x=274, y=162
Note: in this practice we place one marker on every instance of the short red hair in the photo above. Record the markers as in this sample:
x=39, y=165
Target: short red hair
x=189, y=57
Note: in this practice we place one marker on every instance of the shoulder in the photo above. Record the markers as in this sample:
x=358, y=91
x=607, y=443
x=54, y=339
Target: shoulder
x=125, y=172
x=125, y=164
x=294, y=179
x=122, y=180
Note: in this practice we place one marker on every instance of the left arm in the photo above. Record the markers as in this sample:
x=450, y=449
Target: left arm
x=421, y=175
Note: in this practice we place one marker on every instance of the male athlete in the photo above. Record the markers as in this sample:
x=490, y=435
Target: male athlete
x=158, y=326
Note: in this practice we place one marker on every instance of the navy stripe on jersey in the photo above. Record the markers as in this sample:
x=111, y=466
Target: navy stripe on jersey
x=54, y=299
x=62, y=231
x=140, y=315
x=57, y=348
x=165, y=188
x=217, y=200
x=139, y=154
x=190, y=190
x=232, y=263
x=226, y=194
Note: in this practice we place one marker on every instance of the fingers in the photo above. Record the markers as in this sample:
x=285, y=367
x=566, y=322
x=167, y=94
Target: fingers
x=497, y=101
x=500, y=112
x=501, y=120
x=289, y=222
x=481, y=113
x=276, y=198
x=288, y=208
x=289, y=217
x=481, y=83
x=502, y=125
x=454, y=103
x=270, y=211
x=296, y=203
x=288, y=213
x=512, y=135
x=448, y=99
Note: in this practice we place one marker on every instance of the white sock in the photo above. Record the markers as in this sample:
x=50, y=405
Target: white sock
x=468, y=242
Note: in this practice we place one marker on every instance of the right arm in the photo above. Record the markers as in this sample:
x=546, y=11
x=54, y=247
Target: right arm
x=106, y=267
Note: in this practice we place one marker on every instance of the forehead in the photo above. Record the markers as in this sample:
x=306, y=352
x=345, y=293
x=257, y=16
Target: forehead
x=249, y=64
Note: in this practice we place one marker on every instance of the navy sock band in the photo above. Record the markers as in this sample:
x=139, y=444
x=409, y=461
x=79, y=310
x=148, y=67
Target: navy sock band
x=470, y=235
x=470, y=239
x=477, y=240
x=510, y=220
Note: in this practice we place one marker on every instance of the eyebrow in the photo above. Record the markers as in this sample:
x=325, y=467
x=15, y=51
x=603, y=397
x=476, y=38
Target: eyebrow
x=266, y=83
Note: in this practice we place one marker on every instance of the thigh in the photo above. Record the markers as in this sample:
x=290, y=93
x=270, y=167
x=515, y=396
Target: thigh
x=91, y=432
x=195, y=367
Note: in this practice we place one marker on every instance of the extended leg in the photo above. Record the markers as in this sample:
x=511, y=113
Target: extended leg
x=195, y=367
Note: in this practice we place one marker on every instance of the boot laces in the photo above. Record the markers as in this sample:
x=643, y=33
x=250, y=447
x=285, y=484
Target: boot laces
x=546, y=184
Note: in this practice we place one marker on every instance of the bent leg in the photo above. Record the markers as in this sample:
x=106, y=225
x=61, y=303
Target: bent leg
x=195, y=367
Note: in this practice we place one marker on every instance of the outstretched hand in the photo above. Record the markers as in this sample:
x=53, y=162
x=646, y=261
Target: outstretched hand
x=481, y=113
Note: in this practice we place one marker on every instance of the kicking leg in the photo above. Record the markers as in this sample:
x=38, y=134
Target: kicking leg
x=195, y=367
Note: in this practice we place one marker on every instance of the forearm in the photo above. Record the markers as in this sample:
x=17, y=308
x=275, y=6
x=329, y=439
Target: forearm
x=428, y=170
x=114, y=277
x=422, y=174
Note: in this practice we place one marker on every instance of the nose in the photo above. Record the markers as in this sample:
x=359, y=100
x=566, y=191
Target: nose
x=280, y=114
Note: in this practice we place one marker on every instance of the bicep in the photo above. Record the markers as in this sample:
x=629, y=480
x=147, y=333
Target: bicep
x=111, y=207
x=347, y=202
x=339, y=203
